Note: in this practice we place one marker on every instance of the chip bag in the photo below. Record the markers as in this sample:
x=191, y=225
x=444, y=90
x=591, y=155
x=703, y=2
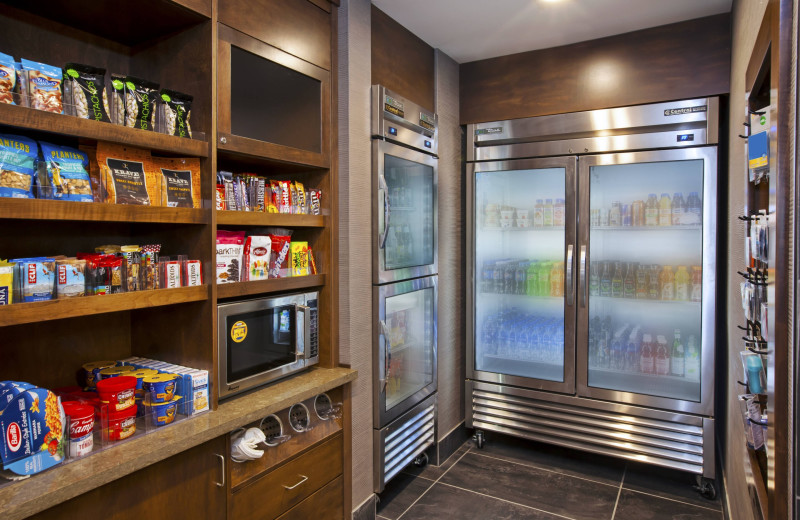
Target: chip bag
x=127, y=175
x=17, y=169
x=67, y=172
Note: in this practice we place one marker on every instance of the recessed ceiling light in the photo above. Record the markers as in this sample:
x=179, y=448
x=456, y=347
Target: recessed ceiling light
x=550, y=1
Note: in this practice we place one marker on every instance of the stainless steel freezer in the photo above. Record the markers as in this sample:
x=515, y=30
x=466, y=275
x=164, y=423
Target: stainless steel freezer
x=591, y=298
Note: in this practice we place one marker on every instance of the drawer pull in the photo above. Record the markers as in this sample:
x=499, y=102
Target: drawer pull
x=303, y=480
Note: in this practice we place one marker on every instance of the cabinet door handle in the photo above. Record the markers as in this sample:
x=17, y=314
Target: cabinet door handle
x=304, y=478
x=222, y=463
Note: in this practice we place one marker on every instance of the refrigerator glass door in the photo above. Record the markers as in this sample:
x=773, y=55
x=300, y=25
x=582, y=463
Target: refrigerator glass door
x=406, y=337
x=405, y=216
x=649, y=279
x=522, y=272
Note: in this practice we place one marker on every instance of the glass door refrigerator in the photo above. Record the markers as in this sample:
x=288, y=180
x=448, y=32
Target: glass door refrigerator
x=404, y=270
x=591, y=298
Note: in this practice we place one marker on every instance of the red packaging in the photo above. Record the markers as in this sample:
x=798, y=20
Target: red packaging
x=220, y=196
x=279, y=259
x=311, y=261
x=81, y=427
x=171, y=274
x=118, y=392
x=193, y=273
x=274, y=197
x=286, y=197
x=121, y=425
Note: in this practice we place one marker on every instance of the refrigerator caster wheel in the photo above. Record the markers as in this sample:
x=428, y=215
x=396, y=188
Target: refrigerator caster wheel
x=705, y=486
x=479, y=439
x=421, y=461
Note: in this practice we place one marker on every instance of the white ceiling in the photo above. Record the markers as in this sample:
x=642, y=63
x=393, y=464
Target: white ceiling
x=469, y=30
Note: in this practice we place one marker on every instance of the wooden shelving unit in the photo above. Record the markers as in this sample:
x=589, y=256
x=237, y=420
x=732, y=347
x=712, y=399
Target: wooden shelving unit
x=240, y=289
x=249, y=218
x=34, y=209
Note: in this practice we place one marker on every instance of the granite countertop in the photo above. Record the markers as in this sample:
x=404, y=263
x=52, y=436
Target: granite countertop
x=49, y=488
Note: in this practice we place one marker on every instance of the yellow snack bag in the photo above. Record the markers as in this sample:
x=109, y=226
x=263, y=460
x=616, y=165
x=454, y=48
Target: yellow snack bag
x=299, y=259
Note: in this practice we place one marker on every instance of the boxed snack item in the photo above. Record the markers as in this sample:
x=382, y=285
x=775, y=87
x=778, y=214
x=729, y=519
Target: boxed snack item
x=133, y=263
x=230, y=248
x=176, y=109
x=11, y=389
x=67, y=172
x=35, y=278
x=141, y=97
x=6, y=282
x=300, y=198
x=299, y=259
x=180, y=181
x=31, y=432
x=256, y=257
x=279, y=260
x=8, y=79
x=127, y=174
x=193, y=273
x=44, y=86
x=17, y=168
x=70, y=278
x=86, y=86
x=149, y=267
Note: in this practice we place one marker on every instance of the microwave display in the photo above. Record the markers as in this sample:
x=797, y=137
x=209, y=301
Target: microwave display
x=259, y=341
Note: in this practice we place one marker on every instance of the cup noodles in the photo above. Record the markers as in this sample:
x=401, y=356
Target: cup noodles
x=81, y=428
x=31, y=432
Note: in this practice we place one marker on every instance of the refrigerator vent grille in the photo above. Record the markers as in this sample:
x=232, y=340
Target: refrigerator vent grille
x=408, y=441
x=654, y=441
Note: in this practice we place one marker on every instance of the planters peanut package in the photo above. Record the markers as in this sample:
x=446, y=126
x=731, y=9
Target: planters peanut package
x=31, y=432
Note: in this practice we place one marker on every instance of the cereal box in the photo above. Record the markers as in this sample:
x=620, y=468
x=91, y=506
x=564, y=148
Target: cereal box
x=31, y=432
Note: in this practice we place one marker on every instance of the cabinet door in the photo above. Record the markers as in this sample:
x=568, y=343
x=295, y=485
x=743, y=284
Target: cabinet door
x=182, y=486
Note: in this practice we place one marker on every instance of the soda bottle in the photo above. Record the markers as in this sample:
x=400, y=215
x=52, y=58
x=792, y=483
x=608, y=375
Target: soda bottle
x=510, y=278
x=682, y=283
x=694, y=210
x=547, y=213
x=594, y=279
x=543, y=288
x=629, y=284
x=641, y=282
x=647, y=362
x=605, y=280
x=499, y=277
x=665, y=210
x=520, y=277
x=557, y=280
x=667, y=280
x=697, y=283
x=532, y=278
x=615, y=215
x=692, y=361
x=559, y=212
x=538, y=213
x=632, y=354
x=651, y=210
x=678, y=208
x=662, y=357
x=653, y=286
x=678, y=356
x=617, y=281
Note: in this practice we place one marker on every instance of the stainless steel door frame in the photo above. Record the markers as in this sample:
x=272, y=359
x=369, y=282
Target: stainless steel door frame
x=382, y=416
x=381, y=211
x=709, y=156
x=569, y=165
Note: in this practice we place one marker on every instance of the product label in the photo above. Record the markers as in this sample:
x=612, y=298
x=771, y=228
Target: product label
x=650, y=217
x=173, y=275
x=393, y=106
x=697, y=292
x=239, y=331
x=128, y=179
x=687, y=110
x=193, y=274
x=668, y=291
x=426, y=121
x=682, y=292
x=178, y=186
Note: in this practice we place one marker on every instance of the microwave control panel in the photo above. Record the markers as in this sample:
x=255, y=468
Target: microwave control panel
x=314, y=347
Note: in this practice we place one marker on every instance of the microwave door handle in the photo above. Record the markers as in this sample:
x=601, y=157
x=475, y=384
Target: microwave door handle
x=387, y=352
x=303, y=333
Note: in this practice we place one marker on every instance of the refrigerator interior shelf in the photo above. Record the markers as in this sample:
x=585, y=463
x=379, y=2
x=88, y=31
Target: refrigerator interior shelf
x=527, y=297
x=647, y=228
x=515, y=228
x=497, y=357
x=404, y=346
x=659, y=377
x=645, y=301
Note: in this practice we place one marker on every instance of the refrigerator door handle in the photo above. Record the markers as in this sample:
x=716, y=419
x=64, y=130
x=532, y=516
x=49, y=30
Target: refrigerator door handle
x=582, y=281
x=383, y=190
x=570, y=290
x=386, y=356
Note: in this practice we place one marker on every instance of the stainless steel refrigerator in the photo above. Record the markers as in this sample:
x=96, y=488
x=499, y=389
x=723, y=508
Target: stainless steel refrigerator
x=591, y=290
x=404, y=266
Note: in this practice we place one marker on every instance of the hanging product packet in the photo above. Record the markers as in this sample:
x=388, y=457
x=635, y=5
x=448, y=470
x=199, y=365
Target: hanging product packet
x=176, y=110
x=67, y=172
x=141, y=97
x=315, y=197
x=230, y=249
x=180, y=181
x=85, y=92
x=6, y=282
x=17, y=169
x=127, y=175
x=8, y=79
x=256, y=256
x=44, y=86
x=279, y=259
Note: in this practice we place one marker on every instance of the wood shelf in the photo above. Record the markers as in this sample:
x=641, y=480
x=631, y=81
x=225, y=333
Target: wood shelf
x=35, y=209
x=253, y=151
x=22, y=313
x=39, y=120
x=234, y=290
x=250, y=218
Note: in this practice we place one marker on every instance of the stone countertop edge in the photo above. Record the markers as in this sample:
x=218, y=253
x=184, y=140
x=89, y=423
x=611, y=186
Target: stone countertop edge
x=21, y=499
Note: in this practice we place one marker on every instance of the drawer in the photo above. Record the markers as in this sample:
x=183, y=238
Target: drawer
x=325, y=504
x=270, y=496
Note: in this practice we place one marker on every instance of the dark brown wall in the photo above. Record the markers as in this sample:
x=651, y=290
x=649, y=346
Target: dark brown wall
x=676, y=61
x=401, y=61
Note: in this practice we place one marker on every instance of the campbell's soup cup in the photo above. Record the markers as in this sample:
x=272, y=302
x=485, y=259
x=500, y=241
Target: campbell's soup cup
x=160, y=387
x=118, y=392
x=81, y=427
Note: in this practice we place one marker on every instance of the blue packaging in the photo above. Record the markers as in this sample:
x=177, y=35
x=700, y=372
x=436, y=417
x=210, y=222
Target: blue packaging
x=32, y=432
x=8, y=79
x=68, y=172
x=17, y=156
x=44, y=86
x=35, y=278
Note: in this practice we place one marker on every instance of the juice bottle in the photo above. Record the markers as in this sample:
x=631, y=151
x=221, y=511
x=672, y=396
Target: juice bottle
x=678, y=208
x=617, y=282
x=594, y=279
x=667, y=281
x=646, y=360
x=653, y=285
x=662, y=357
x=521, y=278
x=605, y=280
x=678, y=356
x=615, y=215
x=682, y=284
x=641, y=282
x=557, y=280
x=697, y=283
x=694, y=209
x=637, y=213
x=629, y=283
x=559, y=212
x=532, y=278
x=538, y=213
x=651, y=210
x=665, y=210
x=543, y=287
x=547, y=213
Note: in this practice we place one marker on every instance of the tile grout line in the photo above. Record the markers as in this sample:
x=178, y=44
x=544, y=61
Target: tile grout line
x=506, y=501
x=674, y=500
x=619, y=493
x=431, y=486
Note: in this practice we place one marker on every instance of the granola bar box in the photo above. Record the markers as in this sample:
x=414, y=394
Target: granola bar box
x=31, y=432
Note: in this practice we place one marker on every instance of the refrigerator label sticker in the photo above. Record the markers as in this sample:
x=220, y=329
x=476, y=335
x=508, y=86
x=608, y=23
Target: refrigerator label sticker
x=486, y=131
x=687, y=110
x=426, y=121
x=393, y=106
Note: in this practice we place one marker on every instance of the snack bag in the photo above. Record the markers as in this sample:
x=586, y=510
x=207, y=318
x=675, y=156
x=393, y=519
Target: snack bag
x=273, y=197
x=279, y=260
x=8, y=79
x=176, y=109
x=67, y=172
x=314, y=203
x=17, y=169
x=180, y=181
x=70, y=278
x=133, y=263
x=256, y=250
x=98, y=194
x=116, y=107
x=299, y=259
x=6, y=282
x=35, y=278
x=127, y=174
x=149, y=267
x=87, y=91
x=44, y=86
x=31, y=432
x=230, y=246
x=141, y=97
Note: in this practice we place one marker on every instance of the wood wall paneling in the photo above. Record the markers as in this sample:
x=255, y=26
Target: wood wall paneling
x=676, y=61
x=401, y=61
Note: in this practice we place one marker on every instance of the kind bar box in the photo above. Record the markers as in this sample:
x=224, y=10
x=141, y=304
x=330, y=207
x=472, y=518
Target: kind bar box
x=32, y=426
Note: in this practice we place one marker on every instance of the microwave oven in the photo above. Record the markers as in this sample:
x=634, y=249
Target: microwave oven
x=265, y=339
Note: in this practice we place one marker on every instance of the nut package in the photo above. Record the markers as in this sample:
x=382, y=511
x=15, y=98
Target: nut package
x=67, y=172
x=8, y=79
x=44, y=86
x=17, y=157
x=176, y=109
x=85, y=92
x=141, y=97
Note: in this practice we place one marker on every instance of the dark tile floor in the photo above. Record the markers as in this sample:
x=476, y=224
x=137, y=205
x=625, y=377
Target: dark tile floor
x=516, y=479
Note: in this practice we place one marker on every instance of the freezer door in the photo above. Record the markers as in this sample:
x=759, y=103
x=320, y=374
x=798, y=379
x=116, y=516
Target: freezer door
x=404, y=213
x=521, y=267
x=404, y=367
x=647, y=264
